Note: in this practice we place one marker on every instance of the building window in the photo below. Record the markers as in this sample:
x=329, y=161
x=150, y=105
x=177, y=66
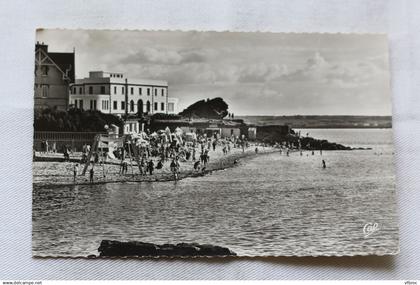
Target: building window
x=92, y=104
x=148, y=91
x=90, y=89
x=80, y=90
x=115, y=89
x=162, y=106
x=132, y=90
x=81, y=104
x=122, y=105
x=122, y=90
x=115, y=105
x=148, y=106
x=163, y=92
x=131, y=106
x=140, y=107
x=139, y=90
x=102, y=89
x=74, y=90
x=155, y=92
x=156, y=106
x=45, y=90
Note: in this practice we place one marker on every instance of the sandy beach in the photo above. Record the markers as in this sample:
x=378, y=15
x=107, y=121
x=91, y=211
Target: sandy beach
x=61, y=173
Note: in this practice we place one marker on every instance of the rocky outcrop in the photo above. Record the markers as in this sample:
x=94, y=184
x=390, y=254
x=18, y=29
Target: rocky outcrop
x=215, y=108
x=315, y=144
x=276, y=133
x=109, y=248
x=273, y=133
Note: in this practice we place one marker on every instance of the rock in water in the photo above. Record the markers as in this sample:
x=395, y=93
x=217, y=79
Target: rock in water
x=134, y=248
x=116, y=248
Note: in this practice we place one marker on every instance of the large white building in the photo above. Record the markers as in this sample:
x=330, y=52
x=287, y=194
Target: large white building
x=115, y=94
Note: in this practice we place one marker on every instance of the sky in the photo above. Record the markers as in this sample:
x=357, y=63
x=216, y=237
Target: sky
x=255, y=73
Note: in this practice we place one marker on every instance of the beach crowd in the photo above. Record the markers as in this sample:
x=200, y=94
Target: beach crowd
x=150, y=152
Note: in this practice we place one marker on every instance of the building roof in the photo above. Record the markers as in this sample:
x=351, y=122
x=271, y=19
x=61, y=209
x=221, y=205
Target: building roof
x=143, y=81
x=195, y=121
x=105, y=77
x=65, y=61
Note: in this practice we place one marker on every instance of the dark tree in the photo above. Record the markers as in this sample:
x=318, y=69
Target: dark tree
x=73, y=120
x=215, y=108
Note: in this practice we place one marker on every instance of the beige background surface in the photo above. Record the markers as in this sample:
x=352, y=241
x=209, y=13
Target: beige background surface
x=18, y=21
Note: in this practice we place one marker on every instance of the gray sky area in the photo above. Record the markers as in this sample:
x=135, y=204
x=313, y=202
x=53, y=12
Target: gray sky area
x=255, y=73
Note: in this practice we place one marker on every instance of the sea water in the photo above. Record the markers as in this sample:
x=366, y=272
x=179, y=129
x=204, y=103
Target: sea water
x=268, y=205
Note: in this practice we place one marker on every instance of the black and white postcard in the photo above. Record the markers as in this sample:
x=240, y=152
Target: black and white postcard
x=171, y=143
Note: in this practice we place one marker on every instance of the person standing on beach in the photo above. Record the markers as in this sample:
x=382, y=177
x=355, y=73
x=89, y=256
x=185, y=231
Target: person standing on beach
x=173, y=165
x=66, y=154
x=159, y=165
x=75, y=170
x=207, y=157
x=141, y=168
x=91, y=173
x=196, y=165
x=202, y=146
x=125, y=169
x=151, y=167
x=175, y=168
x=323, y=164
x=121, y=168
x=204, y=158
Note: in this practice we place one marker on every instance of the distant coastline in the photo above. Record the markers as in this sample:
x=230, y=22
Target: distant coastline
x=321, y=121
